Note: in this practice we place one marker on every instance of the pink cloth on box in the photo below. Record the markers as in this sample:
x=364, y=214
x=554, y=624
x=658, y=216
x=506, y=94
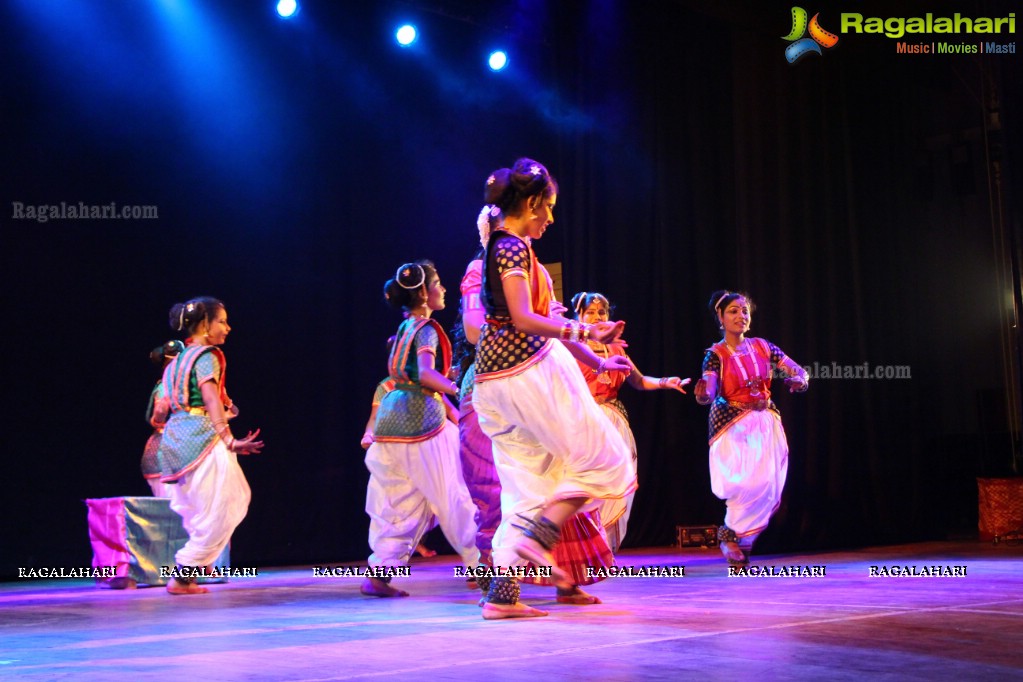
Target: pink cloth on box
x=138, y=536
x=107, y=533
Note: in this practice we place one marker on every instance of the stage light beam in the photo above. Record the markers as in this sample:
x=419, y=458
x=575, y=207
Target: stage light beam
x=406, y=35
x=287, y=8
x=497, y=60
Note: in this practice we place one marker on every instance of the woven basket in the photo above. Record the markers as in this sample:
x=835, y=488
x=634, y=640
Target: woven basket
x=1000, y=506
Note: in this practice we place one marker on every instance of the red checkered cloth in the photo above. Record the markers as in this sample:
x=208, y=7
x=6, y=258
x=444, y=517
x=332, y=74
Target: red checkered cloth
x=582, y=544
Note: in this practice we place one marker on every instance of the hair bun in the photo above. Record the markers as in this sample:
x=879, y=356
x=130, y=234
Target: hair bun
x=183, y=316
x=410, y=276
x=497, y=187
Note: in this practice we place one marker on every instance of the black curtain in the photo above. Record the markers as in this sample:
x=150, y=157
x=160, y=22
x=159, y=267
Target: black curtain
x=850, y=194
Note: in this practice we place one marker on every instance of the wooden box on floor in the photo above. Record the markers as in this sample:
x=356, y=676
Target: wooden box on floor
x=1000, y=506
x=696, y=536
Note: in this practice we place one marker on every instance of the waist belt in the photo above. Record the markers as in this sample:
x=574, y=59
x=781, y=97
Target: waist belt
x=616, y=404
x=414, y=388
x=757, y=405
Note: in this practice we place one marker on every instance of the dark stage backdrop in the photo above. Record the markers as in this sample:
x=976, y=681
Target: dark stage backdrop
x=295, y=165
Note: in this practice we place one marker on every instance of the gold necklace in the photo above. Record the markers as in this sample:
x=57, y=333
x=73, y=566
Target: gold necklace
x=605, y=352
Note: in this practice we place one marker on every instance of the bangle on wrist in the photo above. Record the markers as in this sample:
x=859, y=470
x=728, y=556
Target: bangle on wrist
x=601, y=366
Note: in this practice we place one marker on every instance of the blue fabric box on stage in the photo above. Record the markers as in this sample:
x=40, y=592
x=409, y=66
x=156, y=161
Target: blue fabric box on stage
x=139, y=536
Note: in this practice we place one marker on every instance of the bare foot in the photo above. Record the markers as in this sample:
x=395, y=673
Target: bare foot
x=175, y=586
x=375, y=587
x=533, y=552
x=424, y=551
x=732, y=552
x=516, y=610
x=577, y=596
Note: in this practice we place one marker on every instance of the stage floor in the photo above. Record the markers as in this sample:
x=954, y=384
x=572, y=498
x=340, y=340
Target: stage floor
x=287, y=624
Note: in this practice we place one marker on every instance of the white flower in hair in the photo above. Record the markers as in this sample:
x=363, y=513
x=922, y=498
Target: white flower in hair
x=535, y=170
x=483, y=223
x=491, y=180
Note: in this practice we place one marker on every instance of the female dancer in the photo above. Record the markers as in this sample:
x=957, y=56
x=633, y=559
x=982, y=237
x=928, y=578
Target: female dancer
x=475, y=450
x=584, y=543
x=749, y=453
x=383, y=388
x=413, y=459
x=593, y=307
x=156, y=414
x=555, y=451
x=198, y=455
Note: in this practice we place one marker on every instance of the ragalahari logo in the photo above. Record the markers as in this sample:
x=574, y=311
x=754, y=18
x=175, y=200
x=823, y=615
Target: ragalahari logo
x=802, y=46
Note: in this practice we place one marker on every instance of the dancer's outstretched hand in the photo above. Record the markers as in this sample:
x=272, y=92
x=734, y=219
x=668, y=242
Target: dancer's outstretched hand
x=248, y=445
x=607, y=332
x=701, y=394
x=618, y=363
x=675, y=383
x=797, y=384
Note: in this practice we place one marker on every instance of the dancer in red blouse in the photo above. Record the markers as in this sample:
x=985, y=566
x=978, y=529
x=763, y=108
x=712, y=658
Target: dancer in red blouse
x=748, y=450
x=593, y=307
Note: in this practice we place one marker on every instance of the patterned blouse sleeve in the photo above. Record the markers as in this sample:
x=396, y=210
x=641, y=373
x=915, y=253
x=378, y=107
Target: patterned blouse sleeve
x=512, y=257
x=426, y=340
x=206, y=368
x=712, y=363
x=380, y=392
x=777, y=354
